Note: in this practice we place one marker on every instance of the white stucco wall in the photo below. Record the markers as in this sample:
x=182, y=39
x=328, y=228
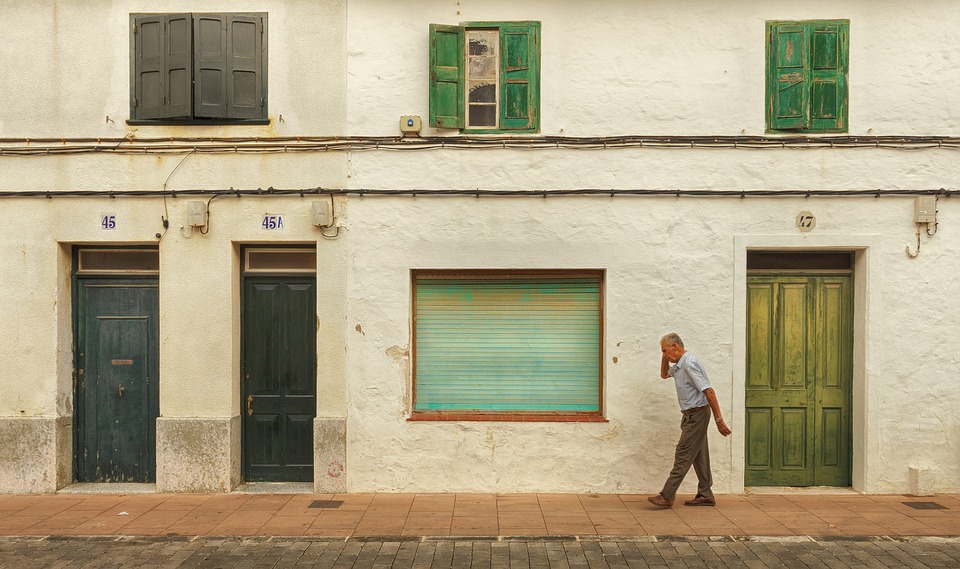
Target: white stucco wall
x=609, y=68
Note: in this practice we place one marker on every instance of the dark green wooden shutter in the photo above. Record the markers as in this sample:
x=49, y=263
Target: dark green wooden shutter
x=244, y=67
x=446, y=76
x=162, y=66
x=788, y=82
x=520, y=76
x=210, y=54
x=508, y=344
x=828, y=97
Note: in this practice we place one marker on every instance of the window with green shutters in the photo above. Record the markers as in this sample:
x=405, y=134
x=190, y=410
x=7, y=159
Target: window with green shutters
x=499, y=342
x=807, y=64
x=198, y=68
x=485, y=76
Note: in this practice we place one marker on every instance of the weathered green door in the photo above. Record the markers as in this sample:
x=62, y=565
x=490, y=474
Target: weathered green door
x=117, y=389
x=279, y=377
x=799, y=377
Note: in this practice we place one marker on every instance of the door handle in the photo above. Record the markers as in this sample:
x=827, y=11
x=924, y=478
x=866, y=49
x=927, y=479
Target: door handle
x=119, y=390
x=249, y=404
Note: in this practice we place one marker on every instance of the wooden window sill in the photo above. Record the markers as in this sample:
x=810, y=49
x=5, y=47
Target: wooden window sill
x=507, y=417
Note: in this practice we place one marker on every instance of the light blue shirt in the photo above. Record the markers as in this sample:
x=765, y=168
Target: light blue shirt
x=690, y=379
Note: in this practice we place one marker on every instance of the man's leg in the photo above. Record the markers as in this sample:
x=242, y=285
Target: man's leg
x=692, y=433
x=701, y=462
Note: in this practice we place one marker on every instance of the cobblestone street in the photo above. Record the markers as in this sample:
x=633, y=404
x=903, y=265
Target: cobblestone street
x=516, y=553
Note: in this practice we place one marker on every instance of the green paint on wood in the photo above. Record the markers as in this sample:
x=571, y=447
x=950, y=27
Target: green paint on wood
x=279, y=378
x=799, y=380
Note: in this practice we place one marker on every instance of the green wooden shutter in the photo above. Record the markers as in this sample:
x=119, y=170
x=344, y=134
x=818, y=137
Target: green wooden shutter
x=210, y=54
x=162, y=66
x=446, y=76
x=244, y=66
x=828, y=97
x=507, y=344
x=788, y=81
x=520, y=76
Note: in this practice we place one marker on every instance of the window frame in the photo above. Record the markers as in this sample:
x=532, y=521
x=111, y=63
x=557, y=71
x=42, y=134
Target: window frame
x=528, y=75
x=520, y=276
x=808, y=124
x=263, y=119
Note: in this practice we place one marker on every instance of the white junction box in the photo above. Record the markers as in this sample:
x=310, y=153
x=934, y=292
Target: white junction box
x=196, y=214
x=410, y=124
x=926, y=209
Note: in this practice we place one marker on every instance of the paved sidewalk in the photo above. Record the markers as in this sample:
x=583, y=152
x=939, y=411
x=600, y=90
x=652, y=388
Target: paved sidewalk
x=473, y=515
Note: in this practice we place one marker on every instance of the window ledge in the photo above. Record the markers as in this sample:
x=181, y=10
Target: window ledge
x=225, y=122
x=507, y=417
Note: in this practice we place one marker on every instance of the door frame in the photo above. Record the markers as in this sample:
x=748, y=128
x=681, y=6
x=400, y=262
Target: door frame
x=865, y=441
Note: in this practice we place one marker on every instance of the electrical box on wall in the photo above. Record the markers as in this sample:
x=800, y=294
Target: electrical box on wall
x=322, y=214
x=926, y=209
x=410, y=124
x=196, y=214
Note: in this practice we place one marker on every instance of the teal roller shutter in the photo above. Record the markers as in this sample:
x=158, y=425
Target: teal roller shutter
x=507, y=344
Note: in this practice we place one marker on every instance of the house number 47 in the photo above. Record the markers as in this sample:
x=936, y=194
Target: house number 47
x=806, y=221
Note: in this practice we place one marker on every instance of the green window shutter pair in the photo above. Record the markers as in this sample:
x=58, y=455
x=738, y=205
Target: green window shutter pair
x=198, y=66
x=807, y=65
x=515, y=343
x=519, y=77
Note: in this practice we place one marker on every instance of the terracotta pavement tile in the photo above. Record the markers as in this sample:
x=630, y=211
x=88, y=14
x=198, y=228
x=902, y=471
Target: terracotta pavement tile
x=767, y=529
x=354, y=501
x=571, y=529
x=265, y=502
x=224, y=503
x=155, y=519
x=476, y=499
x=286, y=525
x=666, y=527
x=336, y=522
x=433, y=503
x=251, y=519
x=380, y=525
x=418, y=532
x=186, y=502
x=65, y=520
x=602, y=503
x=523, y=531
x=315, y=531
x=97, y=503
x=13, y=525
x=474, y=525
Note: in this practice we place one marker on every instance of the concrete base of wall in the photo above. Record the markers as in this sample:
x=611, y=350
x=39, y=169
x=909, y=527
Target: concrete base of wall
x=36, y=454
x=198, y=455
x=329, y=455
x=922, y=481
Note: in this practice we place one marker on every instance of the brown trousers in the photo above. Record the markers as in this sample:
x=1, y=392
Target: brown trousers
x=692, y=450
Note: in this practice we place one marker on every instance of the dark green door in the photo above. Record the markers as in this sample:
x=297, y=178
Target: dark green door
x=279, y=377
x=799, y=378
x=117, y=394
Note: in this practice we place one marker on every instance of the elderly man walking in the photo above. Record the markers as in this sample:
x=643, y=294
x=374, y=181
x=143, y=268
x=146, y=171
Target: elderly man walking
x=697, y=401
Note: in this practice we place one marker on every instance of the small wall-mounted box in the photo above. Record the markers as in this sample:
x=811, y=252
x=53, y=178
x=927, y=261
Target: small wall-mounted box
x=410, y=124
x=196, y=214
x=926, y=209
x=322, y=216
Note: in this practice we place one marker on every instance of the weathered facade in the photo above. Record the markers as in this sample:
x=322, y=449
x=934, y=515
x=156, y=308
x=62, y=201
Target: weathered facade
x=646, y=156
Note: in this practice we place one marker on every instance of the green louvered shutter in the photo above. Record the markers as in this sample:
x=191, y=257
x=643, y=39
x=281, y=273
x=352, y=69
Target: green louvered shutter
x=244, y=67
x=524, y=343
x=446, y=76
x=788, y=82
x=210, y=85
x=520, y=76
x=162, y=66
x=828, y=98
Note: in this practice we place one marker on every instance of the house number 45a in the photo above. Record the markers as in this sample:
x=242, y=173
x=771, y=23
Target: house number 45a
x=806, y=221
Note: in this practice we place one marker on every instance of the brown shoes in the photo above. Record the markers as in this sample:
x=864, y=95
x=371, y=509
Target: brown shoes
x=660, y=502
x=701, y=501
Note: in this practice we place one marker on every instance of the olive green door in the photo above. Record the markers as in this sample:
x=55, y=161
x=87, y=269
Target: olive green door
x=117, y=387
x=799, y=380
x=279, y=377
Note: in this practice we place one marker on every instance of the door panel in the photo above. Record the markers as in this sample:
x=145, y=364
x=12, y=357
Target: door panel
x=279, y=377
x=117, y=393
x=798, y=380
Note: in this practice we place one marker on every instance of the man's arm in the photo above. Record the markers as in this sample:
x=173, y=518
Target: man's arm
x=715, y=408
x=664, y=367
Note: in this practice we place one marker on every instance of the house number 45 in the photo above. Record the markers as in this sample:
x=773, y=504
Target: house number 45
x=806, y=221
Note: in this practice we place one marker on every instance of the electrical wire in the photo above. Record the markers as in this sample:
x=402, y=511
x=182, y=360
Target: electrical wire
x=476, y=192
x=286, y=144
